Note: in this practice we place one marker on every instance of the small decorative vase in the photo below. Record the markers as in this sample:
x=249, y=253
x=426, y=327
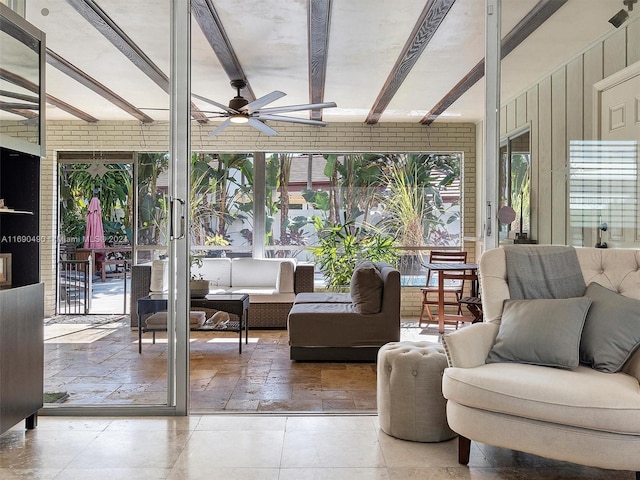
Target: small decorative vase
x=199, y=288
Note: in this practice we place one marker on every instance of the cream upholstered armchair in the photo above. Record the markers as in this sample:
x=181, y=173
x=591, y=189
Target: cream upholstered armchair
x=558, y=378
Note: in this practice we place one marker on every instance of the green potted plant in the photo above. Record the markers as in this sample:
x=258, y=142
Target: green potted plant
x=342, y=246
x=198, y=286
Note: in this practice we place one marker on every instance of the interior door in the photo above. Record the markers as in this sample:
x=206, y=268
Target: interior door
x=620, y=133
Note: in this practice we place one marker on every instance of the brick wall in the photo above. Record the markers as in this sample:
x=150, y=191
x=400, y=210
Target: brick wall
x=335, y=138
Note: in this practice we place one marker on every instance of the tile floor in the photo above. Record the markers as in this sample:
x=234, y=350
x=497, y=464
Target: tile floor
x=247, y=447
x=96, y=360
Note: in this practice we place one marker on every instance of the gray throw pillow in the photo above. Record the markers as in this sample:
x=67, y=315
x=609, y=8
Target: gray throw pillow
x=612, y=330
x=366, y=288
x=541, y=332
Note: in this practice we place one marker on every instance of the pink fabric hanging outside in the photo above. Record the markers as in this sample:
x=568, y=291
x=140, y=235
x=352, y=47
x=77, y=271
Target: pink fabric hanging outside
x=94, y=236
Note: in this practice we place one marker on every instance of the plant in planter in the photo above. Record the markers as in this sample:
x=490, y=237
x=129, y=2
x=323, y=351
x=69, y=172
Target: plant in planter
x=341, y=246
x=198, y=286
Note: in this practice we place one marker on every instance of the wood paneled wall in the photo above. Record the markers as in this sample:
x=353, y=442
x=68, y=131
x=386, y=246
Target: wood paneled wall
x=559, y=109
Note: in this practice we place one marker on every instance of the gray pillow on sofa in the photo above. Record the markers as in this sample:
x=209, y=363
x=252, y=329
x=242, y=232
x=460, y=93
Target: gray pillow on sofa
x=366, y=288
x=612, y=330
x=541, y=332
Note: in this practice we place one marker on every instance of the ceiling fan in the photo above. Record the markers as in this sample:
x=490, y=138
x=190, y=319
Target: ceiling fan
x=240, y=110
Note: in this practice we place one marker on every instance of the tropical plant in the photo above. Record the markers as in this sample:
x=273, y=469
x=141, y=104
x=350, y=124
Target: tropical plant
x=341, y=246
x=353, y=179
x=152, y=203
x=413, y=209
x=233, y=180
x=520, y=190
x=113, y=186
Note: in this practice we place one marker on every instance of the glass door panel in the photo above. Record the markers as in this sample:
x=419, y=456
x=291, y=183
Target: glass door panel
x=92, y=362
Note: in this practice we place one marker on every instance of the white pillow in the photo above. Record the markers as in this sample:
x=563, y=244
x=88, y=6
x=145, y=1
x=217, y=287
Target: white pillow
x=216, y=270
x=159, y=276
x=254, y=272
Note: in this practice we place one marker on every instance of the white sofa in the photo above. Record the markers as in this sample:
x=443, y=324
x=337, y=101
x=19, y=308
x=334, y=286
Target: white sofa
x=271, y=284
x=581, y=415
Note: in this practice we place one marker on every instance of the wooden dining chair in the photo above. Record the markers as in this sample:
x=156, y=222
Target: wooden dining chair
x=468, y=277
x=453, y=289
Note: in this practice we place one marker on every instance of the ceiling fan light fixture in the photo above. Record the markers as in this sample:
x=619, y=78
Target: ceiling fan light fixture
x=239, y=118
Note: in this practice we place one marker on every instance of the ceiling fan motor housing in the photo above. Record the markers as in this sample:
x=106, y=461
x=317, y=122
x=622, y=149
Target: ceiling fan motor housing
x=237, y=103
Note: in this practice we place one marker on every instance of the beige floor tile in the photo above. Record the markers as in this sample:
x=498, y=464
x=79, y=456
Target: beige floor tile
x=238, y=423
x=310, y=449
x=224, y=474
x=444, y=473
x=29, y=473
x=75, y=424
x=154, y=424
x=210, y=450
x=332, y=424
x=334, y=474
x=40, y=449
x=114, y=474
x=402, y=453
x=126, y=449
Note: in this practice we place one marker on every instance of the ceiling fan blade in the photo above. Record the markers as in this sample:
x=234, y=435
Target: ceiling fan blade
x=221, y=127
x=219, y=105
x=281, y=118
x=257, y=124
x=260, y=102
x=296, y=108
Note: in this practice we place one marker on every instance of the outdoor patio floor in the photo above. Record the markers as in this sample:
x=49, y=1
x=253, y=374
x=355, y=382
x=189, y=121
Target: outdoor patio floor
x=95, y=360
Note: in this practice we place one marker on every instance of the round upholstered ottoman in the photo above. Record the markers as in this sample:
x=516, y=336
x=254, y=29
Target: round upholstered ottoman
x=410, y=401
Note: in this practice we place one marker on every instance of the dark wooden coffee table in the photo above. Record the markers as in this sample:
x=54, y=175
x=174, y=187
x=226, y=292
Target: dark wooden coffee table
x=237, y=304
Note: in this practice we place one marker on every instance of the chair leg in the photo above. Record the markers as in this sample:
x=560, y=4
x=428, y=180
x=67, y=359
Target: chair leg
x=637, y=475
x=421, y=314
x=464, y=450
x=424, y=299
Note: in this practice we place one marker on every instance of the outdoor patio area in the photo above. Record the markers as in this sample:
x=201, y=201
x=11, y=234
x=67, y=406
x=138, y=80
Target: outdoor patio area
x=94, y=359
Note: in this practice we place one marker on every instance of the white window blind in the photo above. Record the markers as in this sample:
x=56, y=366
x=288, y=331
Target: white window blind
x=603, y=187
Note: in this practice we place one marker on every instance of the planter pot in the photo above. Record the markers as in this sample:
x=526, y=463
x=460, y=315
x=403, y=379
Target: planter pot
x=199, y=288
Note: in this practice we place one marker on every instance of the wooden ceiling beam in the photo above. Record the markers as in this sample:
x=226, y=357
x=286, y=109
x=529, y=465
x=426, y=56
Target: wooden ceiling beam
x=430, y=19
x=27, y=113
x=81, y=77
x=539, y=14
x=213, y=30
x=318, y=26
x=32, y=87
x=99, y=19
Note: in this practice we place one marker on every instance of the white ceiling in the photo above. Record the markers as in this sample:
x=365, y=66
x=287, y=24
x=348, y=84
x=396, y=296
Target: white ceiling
x=270, y=39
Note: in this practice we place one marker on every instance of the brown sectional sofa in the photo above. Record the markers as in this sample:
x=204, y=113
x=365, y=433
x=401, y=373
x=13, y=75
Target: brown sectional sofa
x=332, y=327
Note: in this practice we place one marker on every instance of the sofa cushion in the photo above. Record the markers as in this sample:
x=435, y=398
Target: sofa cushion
x=254, y=272
x=611, y=331
x=323, y=297
x=582, y=397
x=159, y=276
x=541, y=332
x=366, y=288
x=216, y=270
x=338, y=325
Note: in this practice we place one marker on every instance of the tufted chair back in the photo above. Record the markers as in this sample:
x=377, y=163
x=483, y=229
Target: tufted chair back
x=615, y=269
